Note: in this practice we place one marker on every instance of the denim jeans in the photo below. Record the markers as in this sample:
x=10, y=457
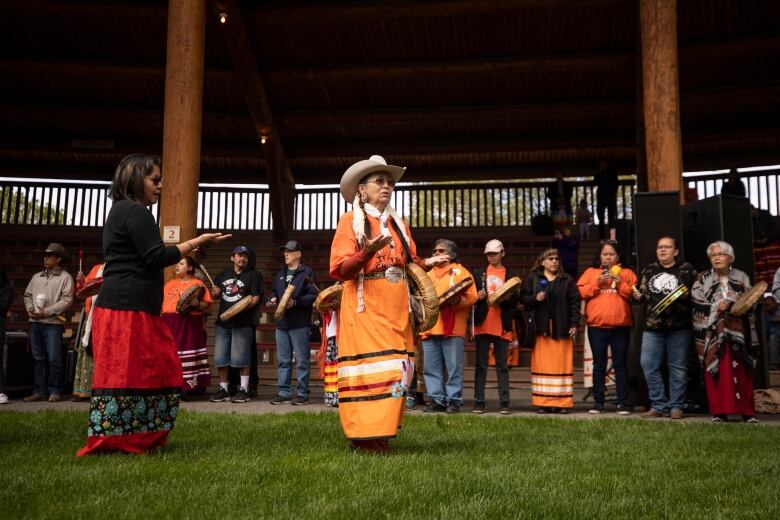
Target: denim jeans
x=233, y=347
x=502, y=369
x=773, y=337
x=674, y=345
x=287, y=342
x=440, y=352
x=601, y=339
x=46, y=345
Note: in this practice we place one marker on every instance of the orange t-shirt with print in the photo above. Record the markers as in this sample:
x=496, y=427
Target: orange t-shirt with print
x=494, y=279
x=173, y=290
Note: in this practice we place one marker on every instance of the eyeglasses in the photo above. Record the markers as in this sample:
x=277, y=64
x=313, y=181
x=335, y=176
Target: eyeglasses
x=553, y=259
x=665, y=247
x=439, y=251
x=608, y=241
x=713, y=255
x=156, y=180
x=379, y=181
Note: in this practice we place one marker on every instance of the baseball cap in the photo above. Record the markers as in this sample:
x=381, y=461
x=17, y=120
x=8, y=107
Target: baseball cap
x=241, y=250
x=292, y=245
x=494, y=246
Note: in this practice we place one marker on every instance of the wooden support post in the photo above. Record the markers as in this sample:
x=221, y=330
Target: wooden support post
x=661, y=93
x=183, y=116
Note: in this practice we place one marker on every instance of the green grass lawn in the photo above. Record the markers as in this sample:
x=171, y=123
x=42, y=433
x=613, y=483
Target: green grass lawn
x=298, y=466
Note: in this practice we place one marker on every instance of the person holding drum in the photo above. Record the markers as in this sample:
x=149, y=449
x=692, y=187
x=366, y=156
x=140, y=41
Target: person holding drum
x=726, y=347
x=239, y=289
x=185, y=300
x=553, y=297
x=443, y=344
x=493, y=323
x=293, y=291
x=665, y=287
x=370, y=250
x=87, y=289
x=137, y=378
x=606, y=289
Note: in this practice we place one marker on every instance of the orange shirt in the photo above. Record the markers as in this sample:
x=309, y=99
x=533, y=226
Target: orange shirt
x=443, y=278
x=495, y=278
x=607, y=307
x=172, y=291
x=345, y=245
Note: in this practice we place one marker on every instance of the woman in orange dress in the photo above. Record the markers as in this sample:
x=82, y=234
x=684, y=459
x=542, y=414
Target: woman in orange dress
x=370, y=249
x=188, y=329
x=553, y=297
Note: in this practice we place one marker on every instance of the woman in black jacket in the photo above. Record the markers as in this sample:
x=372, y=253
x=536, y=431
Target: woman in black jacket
x=552, y=296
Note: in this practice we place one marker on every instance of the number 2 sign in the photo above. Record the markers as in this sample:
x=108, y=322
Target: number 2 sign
x=171, y=234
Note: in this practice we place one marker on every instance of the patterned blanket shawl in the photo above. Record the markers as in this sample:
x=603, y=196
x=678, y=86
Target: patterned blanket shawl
x=715, y=330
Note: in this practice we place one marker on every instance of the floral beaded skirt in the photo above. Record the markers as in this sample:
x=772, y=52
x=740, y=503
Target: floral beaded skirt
x=136, y=383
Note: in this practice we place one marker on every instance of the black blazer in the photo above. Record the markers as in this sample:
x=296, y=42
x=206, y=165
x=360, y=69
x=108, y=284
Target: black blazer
x=562, y=305
x=508, y=306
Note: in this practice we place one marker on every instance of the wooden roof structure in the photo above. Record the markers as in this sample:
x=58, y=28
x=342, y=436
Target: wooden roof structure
x=460, y=89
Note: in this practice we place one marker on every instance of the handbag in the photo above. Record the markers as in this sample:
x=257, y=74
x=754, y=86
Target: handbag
x=526, y=327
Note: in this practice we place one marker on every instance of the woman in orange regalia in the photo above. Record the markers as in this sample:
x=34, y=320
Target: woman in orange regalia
x=188, y=330
x=371, y=247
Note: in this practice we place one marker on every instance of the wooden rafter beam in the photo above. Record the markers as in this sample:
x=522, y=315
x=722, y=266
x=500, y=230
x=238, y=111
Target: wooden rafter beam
x=87, y=113
x=292, y=12
x=703, y=99
x=413, y=150
x=104, y=69
x=297, y=13
x=278, y=173
x=397, y=70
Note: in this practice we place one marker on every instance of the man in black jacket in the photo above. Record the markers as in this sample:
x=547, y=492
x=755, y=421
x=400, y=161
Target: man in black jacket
x=293, y=330
x=492, y=325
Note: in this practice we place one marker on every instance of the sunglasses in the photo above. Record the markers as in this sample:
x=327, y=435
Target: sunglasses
x=382, y=182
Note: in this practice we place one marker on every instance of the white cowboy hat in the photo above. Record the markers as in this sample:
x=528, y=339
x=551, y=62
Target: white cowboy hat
x=356, y=172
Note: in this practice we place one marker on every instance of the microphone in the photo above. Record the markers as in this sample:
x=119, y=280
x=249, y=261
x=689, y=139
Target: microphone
x=543, y=284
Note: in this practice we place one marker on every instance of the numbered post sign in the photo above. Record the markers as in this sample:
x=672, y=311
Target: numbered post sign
x=171, y=234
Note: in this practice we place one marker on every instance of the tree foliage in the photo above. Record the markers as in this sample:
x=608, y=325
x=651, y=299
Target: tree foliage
x=20, y=208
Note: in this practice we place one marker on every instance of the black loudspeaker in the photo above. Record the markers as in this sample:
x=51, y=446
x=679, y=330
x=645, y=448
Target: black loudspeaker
x=723, y=217
x=625, y=236
x=655, y=214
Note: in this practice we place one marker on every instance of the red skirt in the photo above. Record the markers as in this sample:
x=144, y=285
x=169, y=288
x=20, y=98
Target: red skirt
x=730, y=392
x=190, y=337
x=136, y=383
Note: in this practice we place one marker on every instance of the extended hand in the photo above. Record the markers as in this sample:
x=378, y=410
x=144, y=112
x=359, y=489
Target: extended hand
x=211, y=237
x=437, y=260
x=376, y=243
